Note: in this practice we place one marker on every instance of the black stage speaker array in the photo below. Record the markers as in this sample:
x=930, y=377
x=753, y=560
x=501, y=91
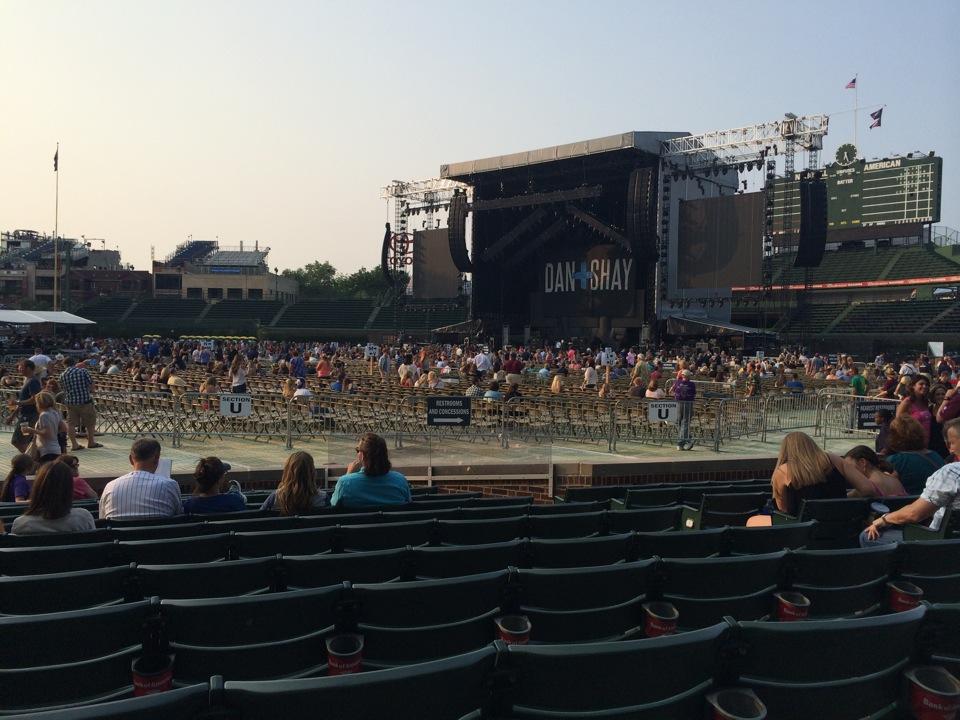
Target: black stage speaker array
x=813, y=223
x=642, y=213
x=457, y=232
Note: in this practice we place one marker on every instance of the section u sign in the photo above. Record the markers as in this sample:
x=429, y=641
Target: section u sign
x=662, y=411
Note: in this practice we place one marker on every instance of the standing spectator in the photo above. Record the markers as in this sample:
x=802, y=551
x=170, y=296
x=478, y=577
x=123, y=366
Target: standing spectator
x=298, y=368
x=794, y=385
x=858, y=383
x=297, y=491
x=40, y=362
x=370, y=480
x=238, y=375
x=141, y=493
x=882, y=419
x=24, y=407
x=78, y=399
x=46, y=431
x=684, y=392
x=916, y=404
x=51, y=505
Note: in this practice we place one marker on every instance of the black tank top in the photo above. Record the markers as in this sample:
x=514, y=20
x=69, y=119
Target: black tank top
x=834, y=486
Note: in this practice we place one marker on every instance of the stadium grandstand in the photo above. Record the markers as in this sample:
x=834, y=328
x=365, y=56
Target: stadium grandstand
x=874, y=295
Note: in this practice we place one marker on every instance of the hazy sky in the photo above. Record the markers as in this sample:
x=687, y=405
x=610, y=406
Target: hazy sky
x=280, y=121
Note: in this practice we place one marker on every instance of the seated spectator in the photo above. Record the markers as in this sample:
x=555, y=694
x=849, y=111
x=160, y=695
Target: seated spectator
x=942, y=490
x=81, y=489
x=210, y=386
x=141, y=493
x=653, y=392
x=805, y=472
x=337, y=385
x=556, y=386
x=474, y=390
x=636, y=387
x=878, y=472
x=543, y=374
x=908, y=454
x=209, y=495
x=512, y=392
x=494, y=392
x=794, y=385
x=605, y=392
x=51, y=505
x=16, y=487
x=370, y=481
x=297, y=491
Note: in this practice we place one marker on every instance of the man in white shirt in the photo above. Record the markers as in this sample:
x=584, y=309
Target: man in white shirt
x=141, y=493
x=482, y=362
x=40, y=362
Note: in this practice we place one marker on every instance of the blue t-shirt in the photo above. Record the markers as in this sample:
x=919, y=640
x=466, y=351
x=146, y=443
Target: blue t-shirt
x=796, y=387
x=358, y=490
x=225, y=502
x=19, y=487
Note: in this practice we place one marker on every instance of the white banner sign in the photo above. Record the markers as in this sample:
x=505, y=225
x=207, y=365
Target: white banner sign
x=232, y=405
x=662, y=411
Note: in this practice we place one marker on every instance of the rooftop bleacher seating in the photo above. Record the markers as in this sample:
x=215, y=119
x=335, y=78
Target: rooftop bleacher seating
x=327, y=314
x=191, y=251
x=237, y=258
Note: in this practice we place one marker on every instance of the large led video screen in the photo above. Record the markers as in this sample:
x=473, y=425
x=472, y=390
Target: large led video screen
x=720, y=242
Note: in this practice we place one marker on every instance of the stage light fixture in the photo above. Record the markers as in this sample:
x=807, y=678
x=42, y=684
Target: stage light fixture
x=930, y=154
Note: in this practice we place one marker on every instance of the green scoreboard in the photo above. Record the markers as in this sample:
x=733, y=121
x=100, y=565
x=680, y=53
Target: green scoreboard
x=866, y=199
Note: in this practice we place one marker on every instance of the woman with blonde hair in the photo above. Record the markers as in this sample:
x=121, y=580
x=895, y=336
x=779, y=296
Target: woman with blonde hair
x=805, y=472
x=46, y=431
x=297, y=491
x=556, y=386
x=289, y=388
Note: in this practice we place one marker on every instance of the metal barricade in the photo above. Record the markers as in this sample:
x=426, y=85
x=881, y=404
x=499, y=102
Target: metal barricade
x=738, y=418
x=839, y=418
x=792, y=411
x=130, y=414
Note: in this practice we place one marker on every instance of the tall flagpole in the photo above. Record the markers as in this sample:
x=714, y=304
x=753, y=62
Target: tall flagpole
x=56, y=235
x=856, y=104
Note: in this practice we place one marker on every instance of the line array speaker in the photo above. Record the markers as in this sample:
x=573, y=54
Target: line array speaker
x=813, y=223
x=457, y=232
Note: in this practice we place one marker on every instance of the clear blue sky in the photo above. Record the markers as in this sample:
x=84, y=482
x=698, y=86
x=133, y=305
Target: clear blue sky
x=280, y=121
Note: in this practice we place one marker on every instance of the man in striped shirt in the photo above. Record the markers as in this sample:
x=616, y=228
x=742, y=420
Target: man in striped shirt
x=141, y=493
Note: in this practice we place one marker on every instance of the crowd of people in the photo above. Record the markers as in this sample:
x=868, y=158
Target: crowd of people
x=145, y=493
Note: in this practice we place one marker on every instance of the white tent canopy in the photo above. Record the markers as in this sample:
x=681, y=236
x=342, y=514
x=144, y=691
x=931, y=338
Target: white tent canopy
x=23, y=317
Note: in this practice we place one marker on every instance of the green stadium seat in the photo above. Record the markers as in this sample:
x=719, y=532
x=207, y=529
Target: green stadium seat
x=489, y=502
x=706, y=590
x=566, y=508
x=175, y=551
x=645, y=520
x=184, y=703
x=490, y=513
x=159, y=532
x=303, y=541
x=637, y=498
x=99, y=535
x=792, y=670
x=567, y=526
x=384, y=536
x=59, y=558
x=360, y=567
x=931, y=557
x=649, y=678
x=60, y=592
x=759, y=540
x=440, y=562
x=263, y=524
x=386, y=647
x=478, y=532
x=671, y=544
x=430, y=602
x=842, y=583
x=722, y=509
x=207, y=580
x=589, y=604
x=941, y=636
x=839, y=521
x=70, y=658
x=579, y=552
x=255, y=637
x=446, y=689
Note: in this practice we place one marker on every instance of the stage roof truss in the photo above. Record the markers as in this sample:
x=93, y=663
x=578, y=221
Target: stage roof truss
x=528, y=223
x=599, y=227
x=552, y=230
x=744, y=144
x=545, y=198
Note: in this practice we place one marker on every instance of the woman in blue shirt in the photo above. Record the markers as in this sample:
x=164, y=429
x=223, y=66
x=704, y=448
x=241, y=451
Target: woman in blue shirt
x=369, y=481
x=207, y=497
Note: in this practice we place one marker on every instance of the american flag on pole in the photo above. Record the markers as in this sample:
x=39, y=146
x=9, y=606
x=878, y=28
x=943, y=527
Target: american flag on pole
x=875, y=116
x=852, y=85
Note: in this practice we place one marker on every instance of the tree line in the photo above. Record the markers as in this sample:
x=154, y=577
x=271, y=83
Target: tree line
x=321, y=280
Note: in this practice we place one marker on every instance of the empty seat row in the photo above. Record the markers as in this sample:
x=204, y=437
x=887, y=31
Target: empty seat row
x=693, y=490
x=784, y=664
